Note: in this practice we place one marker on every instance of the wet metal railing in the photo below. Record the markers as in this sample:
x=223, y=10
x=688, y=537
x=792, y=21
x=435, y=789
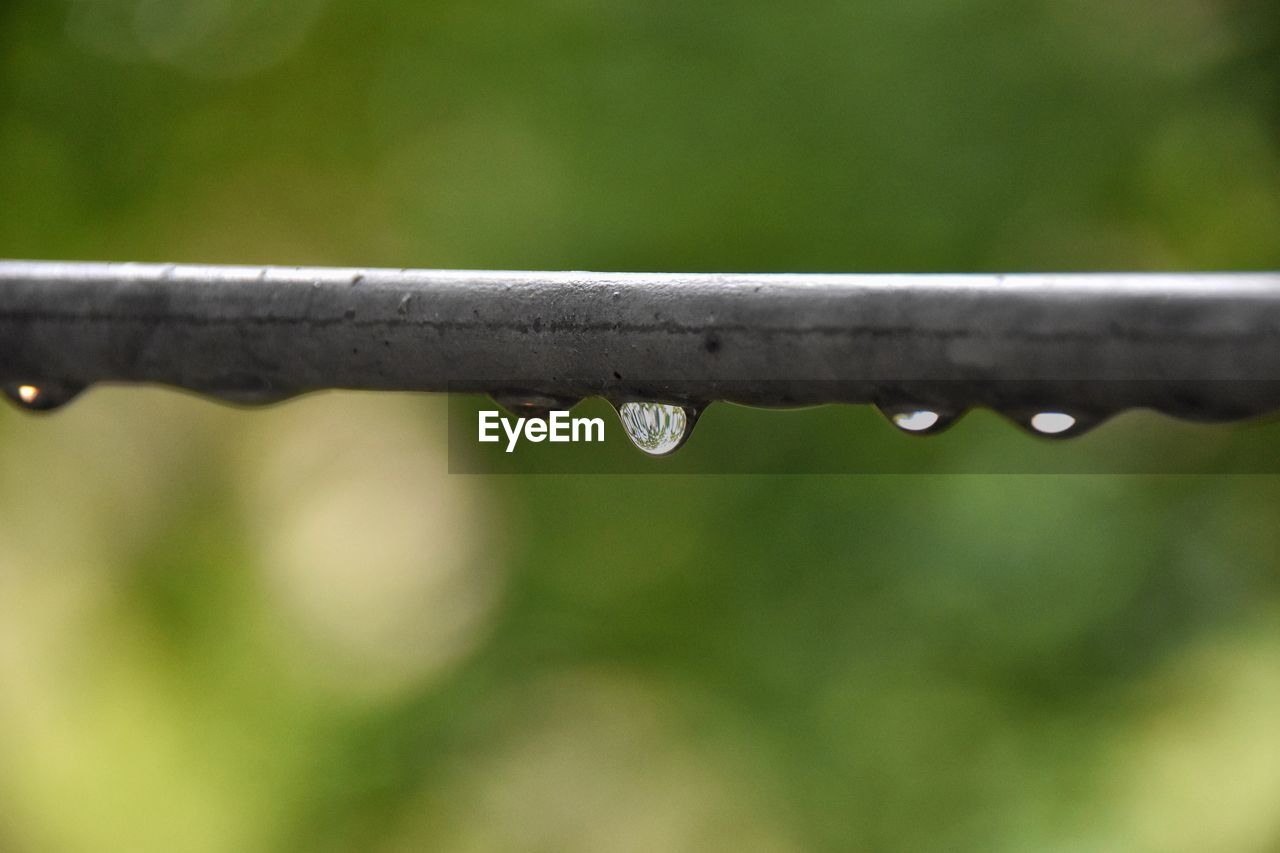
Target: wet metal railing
x=922, y=347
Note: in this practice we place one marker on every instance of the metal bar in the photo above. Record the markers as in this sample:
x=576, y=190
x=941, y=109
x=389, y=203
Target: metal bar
x=1198, y=345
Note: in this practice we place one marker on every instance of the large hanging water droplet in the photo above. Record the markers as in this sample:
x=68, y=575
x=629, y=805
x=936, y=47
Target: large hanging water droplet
x=657, y=428
x=41, y=397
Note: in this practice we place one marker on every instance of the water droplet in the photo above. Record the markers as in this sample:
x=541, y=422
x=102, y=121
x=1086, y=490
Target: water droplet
x=1052, y=423
x=919, y=421
x=256, y=397
x=41, y=397
x=539, y=406
x=657, y=428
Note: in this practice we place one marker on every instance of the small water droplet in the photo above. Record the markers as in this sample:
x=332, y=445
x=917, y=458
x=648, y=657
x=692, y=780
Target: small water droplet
x=41, y=397
x=919, y=421
x=657, y=428
x=1052, y=423
x=256, y=397
x=539, y=406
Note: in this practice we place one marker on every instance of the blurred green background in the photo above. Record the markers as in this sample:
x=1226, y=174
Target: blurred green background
x=292, y=629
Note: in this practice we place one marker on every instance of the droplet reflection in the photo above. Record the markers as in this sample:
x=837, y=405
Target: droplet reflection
x=28, y=393
x=656, y=428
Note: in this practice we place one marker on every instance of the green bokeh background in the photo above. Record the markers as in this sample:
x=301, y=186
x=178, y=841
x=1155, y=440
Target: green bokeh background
x=293, y=629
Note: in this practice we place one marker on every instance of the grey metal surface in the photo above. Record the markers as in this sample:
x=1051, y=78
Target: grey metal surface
x=1198, y=345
